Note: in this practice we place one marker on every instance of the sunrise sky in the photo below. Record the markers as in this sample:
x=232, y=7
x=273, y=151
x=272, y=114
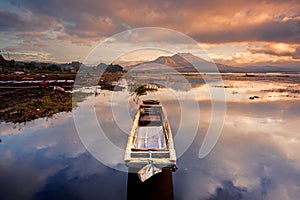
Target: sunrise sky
x=236, y=33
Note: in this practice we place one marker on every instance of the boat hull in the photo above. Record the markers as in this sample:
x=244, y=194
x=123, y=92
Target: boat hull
x=162, y=156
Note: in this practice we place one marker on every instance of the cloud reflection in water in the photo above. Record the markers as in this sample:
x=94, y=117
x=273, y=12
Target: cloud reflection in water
x=256, y=157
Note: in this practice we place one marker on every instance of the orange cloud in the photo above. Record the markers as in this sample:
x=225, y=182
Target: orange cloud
x=272, y=24
x=277, y=49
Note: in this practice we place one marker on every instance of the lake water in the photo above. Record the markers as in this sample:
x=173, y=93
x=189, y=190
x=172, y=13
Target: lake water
x=256, y=156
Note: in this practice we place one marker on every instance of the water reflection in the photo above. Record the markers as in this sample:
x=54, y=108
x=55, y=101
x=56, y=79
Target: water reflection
x=46, y=160
x=249, y=161
x=157, y=187
x=256, y=157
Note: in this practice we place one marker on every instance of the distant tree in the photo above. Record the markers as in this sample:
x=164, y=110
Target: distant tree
x=29, y=66
x=53, y=67
x=114, y=68
x=12, y=64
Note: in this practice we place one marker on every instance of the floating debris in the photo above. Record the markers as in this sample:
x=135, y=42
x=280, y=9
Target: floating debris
x=58, y=89
x=254, y=97
x=249, y=75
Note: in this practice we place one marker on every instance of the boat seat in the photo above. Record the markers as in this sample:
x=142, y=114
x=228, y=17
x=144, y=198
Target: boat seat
x=151, y=111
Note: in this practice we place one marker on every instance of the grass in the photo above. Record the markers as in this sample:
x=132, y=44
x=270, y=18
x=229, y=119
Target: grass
x=44, y=106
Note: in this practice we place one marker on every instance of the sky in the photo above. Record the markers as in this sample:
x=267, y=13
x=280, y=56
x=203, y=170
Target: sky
x=237, y=33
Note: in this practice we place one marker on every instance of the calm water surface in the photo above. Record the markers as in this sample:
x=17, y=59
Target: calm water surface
x=256, y=156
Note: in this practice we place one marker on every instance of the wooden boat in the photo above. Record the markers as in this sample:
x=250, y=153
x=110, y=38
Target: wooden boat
x=150, y=140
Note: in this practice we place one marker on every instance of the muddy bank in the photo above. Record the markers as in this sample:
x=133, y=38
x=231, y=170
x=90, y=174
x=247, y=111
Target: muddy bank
x=26, y=104
x=22, y=77
x=27, y=97
x=23, y=105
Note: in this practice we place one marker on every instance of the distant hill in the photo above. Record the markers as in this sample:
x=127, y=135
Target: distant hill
x=2, y=59
x=181, y=62
x=269, y=68
x=185, y=62
x=6, y=63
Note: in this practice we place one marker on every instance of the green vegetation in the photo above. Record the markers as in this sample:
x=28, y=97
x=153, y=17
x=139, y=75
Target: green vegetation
x=9, y=66
x=21, y=102
x=140, y=90
x=44, y=106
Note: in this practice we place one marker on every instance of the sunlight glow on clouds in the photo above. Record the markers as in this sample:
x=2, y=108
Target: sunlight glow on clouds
x=248, y=33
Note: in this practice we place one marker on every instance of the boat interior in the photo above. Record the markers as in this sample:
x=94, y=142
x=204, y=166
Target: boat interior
x=150, y=134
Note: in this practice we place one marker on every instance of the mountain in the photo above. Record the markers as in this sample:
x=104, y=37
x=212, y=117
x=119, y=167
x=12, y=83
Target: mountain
x=181, y=62
x=185, y=62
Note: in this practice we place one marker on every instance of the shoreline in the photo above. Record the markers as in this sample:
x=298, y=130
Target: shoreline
x=25, y=101
x=26, y=97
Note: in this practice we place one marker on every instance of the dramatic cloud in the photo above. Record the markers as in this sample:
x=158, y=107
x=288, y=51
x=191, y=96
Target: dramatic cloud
x=27, y=21
x=83, y=23
x=278, y=49
x=8, y=20
x=250, y=58
x=212, y=21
